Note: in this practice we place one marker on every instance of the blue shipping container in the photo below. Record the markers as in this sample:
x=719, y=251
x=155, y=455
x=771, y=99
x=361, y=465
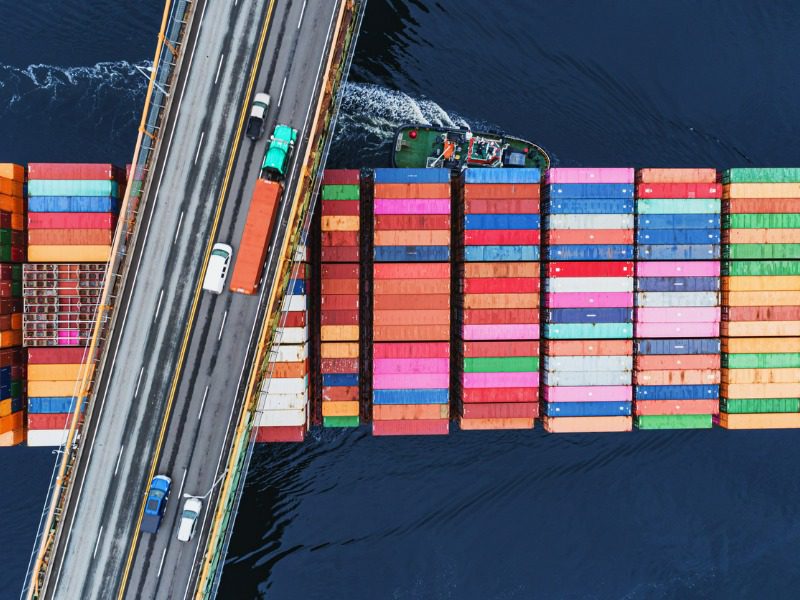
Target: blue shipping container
x=412, y=253
x=676, y=392
x=590, y=252
x=500, y=253
x=711, y=221
x=339, y=379
x=591, y=190
x=677, y=284
x=589, y=315
x=680, y=252
x=649, y=347
x=507, y=175
x=50, y=405
x=412, y=175
x=570, y=206
x=440, y=396
x=587, y=409
x=687, y=236
x=501, y=222
x=297, y=286
x=72, y=204
x=5, y=375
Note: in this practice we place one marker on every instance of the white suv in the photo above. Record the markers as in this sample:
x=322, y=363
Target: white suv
x=191, y=511
x=217, y=271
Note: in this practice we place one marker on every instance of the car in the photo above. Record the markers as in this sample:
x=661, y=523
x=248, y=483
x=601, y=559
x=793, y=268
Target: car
x=258, y=116
x=156, y=503
x=191, y=511
x=217, y=270
x=276, y=160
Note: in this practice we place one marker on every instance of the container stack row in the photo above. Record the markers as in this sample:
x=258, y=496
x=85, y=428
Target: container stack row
x=12, y=251
x=339, y=314
x=677, y=312
x=498, y=299
x=411, y=283
x=283, y=402
x=72, y=211
x=53, y=375
x=588, y=299
x=761, y=299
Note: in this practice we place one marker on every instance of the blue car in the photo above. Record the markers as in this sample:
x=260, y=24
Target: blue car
x=156, y=503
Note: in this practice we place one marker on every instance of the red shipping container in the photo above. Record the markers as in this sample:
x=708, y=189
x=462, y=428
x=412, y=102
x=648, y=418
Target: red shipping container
x=5, y=291
x=340, y=177
x=10, y=356
x=339, y=317
x=588, y=348
x=676, y=407
x=49, y=420
x=338, y=208
x=342, y=254
x=411, y=350
x=660, y=362
x=501, y=206
x=500, y=316
x=761, y=313
x=294, y=433
x=588, y=236
x=340, y=393
x=620, y=268
x=6, y=272
x=55, y=356
x=504, y=395
x=339, y=302
x=502, y=190
x=501, y=349
x=419, y=302
x=411, y=427
x=71, y=220
x=5, y=219
x=762, y=205
x=339, y=286
x=75, y=171
x=5, y=323
x=499, y=285
x=340, y=239
x=10, y=305
x=340, y=271
x=411, y=270
x=679, y=190
x=500, y=410
x=339, y=365
x=506, y=237
x=412, y=222
x=296, y=318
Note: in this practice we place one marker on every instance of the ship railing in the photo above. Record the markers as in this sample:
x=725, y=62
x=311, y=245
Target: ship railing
x=175, y=23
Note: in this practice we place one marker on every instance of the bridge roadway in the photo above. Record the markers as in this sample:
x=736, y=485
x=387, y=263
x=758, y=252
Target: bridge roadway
x=100, y=553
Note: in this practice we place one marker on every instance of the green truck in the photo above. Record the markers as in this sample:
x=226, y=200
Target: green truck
x=276, y=160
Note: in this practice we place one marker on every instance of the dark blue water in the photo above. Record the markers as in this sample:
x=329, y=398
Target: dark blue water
x=475, y=515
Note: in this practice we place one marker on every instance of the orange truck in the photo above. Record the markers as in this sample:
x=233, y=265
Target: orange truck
x=256, y=236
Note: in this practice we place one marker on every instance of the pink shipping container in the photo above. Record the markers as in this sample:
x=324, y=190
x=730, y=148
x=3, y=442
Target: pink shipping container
x=412, y=427
x=689, y=268
x=411, y=350
x=74, y=171
x=71, y=220
x=389, y=366
x=409, y=206
x=405, y=381
x=589, y=300
x=599, y=393
x=676, y=330
x=55, y=356
x=683, y=314
x=501, y=332
x=500, y=380
x=580, y=175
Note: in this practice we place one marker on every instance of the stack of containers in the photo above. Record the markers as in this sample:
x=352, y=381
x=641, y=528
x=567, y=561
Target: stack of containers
x=411, y=302
x=499, y=309
x=72, y=211
x=761, y=295
x=588, y=352
x=339, y=322
x=12, y=250
x=677, y=314
x=53, y=375
x=283, y=402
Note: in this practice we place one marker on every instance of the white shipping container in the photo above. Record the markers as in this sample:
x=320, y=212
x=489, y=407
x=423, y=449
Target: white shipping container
x=589, y=284
x=47, y=437
x=673, y=299
x=277, y=385
x=294, y=302
x=590, y=222
x=281, y=418
x=285, y=401
x=292, y=335
x=584, y=378
x=289, y=353
x=588, y=363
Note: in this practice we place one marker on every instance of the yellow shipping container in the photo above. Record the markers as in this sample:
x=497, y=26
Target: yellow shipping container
x=759, y=345
x=12, y=438
x=340, y=409
x=51, y=388
x=760, y=421
x=339, y=350
x=732, y=391
x=69, y=253
x=12, y=171
x=778, y=283
x=65, y=372
x=10, y=338
x=761, y=190
x=763, y=236
x=790, y=298
x=5, y=407
x=341, y=223
x=339, y=333
x=760, y=375
x=484, y=424
x=756, y=328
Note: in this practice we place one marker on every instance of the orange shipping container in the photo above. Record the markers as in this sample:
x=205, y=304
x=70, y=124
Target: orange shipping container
x=677, y=175
x=421, y=302
x=289, y=370
x=340, y=409
x=656, y=362
x=760, y=421
x=761, y=298
x=16, y=321
x=70, y=237
x=339, y=286
x=677, y=377
x=10, y=187
x=761, y=283
x=763, y=236
x=12, y=172
x=339, y=350
x=340, y=393
x=588, y=348
x=411, y=270
x=44, y=372
x=12, y=422
x=486, y=424
x=17, y=222
x=393, y=237
x=502, y=190
x=504, y=270
x=340, y=239
x=411, y=333
x=501, y=301
x=341, y=223
x=763, y=205
x=589, y=236
x=411, y=286
x=69, y=253
x=391, y=412
x=587, y=424
x=11, y=338
x=761, y=375
x=12, y=204
x=412, y=190
x=755, y=345
x=12, y=438
x=411, y=317
x=339, y=333
x=760, y=390
x=756, y=328
x=761, y=190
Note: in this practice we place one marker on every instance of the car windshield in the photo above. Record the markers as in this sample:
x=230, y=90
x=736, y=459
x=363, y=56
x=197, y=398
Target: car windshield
x=189, y=514
x=221, y=253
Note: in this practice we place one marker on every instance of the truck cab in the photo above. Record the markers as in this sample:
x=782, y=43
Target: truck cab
x=156, y=503
x=276, y=160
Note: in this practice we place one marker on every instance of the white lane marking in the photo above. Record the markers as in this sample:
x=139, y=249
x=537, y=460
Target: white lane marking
x=97, y=543
x=283, y=87
x=199, y=145
x=178, y=229
x=158, y=308
x=224, y=318
x=161, y=564
x=138, y=381
x=202, y=404
x=121, y=448
x=127, y=308
x=219, y=68
x=183, y=480
x=302, y=12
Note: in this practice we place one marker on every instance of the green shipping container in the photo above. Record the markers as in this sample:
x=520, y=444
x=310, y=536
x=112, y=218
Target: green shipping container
x=751, y=268
x=673, y=422
x=679, y=206
x=760, y=405
x=762, y=221
x=589, y=331
x=340, y=192
x=16, y=272
x=72, y=187
x=5, y=253
x=510, y=364
x=762, y=175
x=340, y=421
x=761, y=361
x=5, y=236
x=761, y=251
x=15, y=389
x=16, y=289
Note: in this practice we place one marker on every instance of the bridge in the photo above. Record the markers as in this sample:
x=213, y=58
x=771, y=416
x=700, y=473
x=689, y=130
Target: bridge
x=171, y=373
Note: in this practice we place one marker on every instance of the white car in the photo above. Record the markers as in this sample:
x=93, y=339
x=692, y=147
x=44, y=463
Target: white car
x=258, y=116
x=217, y=271
x=189, y=516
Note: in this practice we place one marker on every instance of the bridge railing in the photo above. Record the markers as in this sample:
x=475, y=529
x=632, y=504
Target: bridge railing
x=163, y=77
x=320, y=137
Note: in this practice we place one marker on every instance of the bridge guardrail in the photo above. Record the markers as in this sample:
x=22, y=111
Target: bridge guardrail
x=163, y=75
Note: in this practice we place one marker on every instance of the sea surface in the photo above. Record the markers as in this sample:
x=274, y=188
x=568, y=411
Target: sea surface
x=494, y=515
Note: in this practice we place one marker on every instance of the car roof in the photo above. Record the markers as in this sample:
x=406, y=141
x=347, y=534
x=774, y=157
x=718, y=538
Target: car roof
x=161, y=482
x=193, y=504
x=261, y=97
x=283, y=132
x=221, y=246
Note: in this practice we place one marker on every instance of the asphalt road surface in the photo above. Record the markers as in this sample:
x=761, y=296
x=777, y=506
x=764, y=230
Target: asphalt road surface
x=123, y=435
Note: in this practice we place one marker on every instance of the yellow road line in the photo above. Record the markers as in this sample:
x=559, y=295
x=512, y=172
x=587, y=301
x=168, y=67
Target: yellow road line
x=195, y=302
